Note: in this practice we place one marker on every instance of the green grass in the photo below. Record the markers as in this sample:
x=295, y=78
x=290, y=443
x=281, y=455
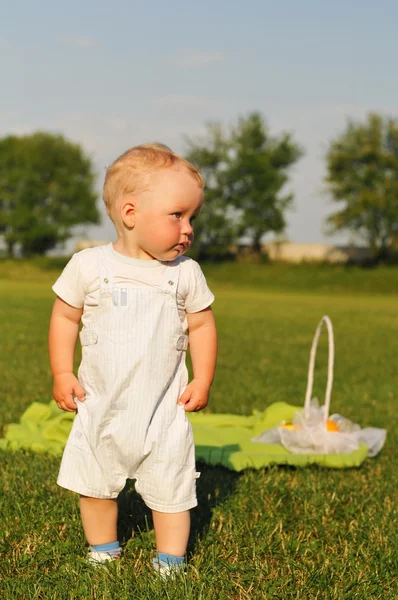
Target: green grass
x=279, y=533
x=315, y=278
x=311, y=278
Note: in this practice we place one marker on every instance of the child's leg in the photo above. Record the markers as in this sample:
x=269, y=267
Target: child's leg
x=99, y=519
x=172, y=532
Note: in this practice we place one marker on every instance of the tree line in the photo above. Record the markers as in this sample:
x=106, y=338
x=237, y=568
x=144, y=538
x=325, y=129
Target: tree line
x=47, y=186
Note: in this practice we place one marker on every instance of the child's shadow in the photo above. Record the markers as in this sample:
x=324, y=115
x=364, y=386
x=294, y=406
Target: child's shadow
x=214, y=486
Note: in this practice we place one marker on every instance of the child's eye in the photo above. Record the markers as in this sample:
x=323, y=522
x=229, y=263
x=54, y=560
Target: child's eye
x=177, y=215
x=191, y=220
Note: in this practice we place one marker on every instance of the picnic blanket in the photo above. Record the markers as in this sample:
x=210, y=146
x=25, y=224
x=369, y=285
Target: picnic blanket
x=220, y=439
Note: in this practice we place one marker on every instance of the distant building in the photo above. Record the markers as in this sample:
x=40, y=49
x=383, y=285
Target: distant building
x=83, y=244
x=317, y=253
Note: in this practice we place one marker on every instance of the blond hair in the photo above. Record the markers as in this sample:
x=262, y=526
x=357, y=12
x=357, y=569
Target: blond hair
x=125, y=174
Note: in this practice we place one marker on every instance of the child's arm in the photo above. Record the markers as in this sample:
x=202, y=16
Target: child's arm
x=64, y=329
x=203, y=347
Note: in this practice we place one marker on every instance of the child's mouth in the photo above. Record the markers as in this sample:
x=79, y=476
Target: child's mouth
x=181, y=247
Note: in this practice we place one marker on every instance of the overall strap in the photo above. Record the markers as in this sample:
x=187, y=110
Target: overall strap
x=106, y=278
x=171, y=278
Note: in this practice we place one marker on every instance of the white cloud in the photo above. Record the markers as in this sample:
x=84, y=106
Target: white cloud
x=79, y=41
x=196, y=58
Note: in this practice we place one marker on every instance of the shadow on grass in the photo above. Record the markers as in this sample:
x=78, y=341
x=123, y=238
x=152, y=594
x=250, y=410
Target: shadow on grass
x=214, y=487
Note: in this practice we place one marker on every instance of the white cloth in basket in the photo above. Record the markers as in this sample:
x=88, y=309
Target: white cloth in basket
x=310, y=434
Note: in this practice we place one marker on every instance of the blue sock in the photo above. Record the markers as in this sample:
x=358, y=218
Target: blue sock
x=112, y=548
x=169, y=559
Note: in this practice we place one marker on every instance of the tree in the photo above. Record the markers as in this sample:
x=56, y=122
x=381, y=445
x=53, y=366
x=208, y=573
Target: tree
x=362, y=166
x=46, y=188
x=245, y=172
x=215, y=230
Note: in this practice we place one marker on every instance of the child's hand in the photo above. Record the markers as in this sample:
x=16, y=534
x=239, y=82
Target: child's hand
x=196, y=396
x=65, y=386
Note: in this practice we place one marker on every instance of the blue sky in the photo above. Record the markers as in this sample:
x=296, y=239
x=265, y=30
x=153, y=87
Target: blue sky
x=111, y=75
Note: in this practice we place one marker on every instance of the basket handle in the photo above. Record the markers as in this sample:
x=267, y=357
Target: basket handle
x=329, y=385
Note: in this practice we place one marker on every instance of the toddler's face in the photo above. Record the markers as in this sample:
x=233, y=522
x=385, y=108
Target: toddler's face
x=165, y=212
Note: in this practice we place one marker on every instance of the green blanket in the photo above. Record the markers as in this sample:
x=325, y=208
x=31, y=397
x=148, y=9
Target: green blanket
x=220, y=439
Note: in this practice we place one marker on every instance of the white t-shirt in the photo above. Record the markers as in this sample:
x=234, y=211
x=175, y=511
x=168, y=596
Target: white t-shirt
x=79, y=283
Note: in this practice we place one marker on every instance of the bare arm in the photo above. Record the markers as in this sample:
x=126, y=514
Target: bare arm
x=64, y=329
x=203, y=347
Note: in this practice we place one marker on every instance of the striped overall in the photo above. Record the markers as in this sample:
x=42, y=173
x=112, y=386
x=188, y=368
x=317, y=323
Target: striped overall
x=133, y=371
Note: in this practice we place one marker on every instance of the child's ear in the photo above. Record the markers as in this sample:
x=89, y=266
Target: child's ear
x=127, y=212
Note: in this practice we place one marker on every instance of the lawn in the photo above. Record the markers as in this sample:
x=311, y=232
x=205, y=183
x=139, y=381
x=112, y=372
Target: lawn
x=279, y=533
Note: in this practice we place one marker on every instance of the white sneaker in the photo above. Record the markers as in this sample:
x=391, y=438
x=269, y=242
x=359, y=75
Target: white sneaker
x=166, y=570
x=99, y=558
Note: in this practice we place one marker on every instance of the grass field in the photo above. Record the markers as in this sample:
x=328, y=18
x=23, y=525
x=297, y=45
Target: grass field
x=279, y=533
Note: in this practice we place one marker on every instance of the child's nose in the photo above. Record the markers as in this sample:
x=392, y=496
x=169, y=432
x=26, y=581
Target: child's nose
x=187, y=228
